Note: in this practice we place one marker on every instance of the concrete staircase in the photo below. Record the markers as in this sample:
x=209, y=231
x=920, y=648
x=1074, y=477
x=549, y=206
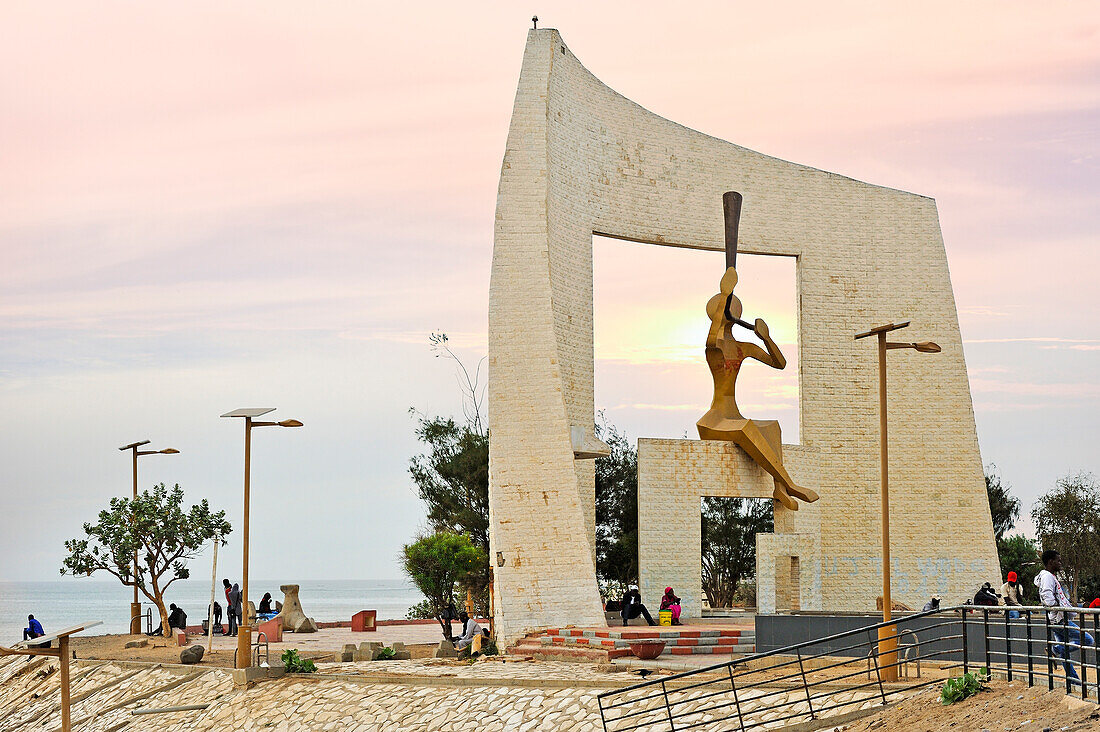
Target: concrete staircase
x=606, y=645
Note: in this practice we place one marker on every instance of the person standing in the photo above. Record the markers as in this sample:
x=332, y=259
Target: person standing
x=1053, y=595
x=232, y=605
x=1013, y=594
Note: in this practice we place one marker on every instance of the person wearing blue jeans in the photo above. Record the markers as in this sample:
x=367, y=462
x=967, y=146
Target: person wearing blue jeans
x=1066, y=632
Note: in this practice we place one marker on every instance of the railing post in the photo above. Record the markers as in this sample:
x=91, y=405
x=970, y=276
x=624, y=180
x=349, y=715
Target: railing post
x=1050, y=654
x=603, y=719
x=736, y=702
x=985, y=634
x=1067, y=654
x=1008, y=646
x=668, y=707
x=966, y=654
x=1030, y=665
x=878, y=675
x=802, y=670
x=1095, y=650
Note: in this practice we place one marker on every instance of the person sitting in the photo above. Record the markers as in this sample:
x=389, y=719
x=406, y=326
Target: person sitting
x=33, y=629
x=671, y=603
x=218, y=629
x=986, y=596
x=470, y=629
x=177, y=619
x=933, y=604
x=1012, y=593
x=265, y=604
x=632, y=606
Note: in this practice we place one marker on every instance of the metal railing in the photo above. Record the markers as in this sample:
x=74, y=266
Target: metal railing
x=256, y=650
x=826, y=677
x=796, y=683
x=1026, y=643
x=148, y=615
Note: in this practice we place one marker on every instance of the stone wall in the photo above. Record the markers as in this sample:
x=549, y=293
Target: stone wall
x=581, y=159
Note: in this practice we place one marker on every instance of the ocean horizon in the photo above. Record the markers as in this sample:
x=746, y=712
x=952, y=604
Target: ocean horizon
x=65, y=602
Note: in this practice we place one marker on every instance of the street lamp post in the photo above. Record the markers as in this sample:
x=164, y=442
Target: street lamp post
x=244, y=632
x=135, y=606
x=888, y=635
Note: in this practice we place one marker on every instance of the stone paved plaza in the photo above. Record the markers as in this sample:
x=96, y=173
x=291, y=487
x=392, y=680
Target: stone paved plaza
x=485, y=695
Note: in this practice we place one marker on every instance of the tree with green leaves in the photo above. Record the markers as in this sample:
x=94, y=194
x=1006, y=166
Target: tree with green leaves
x=1019, y=554
x=730, y=526
x=158, y=530
x=452, y=476
x=1067, y=519
x=616, y=511
x=1003, y=506
x=437, y=564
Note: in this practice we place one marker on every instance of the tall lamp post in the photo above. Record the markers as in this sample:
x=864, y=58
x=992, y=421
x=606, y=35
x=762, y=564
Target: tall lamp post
x=135, y=606
x=244, y=632
x=888, y=635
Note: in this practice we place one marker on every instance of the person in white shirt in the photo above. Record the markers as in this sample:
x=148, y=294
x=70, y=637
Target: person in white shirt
x=470, y=629
x=1053, y=595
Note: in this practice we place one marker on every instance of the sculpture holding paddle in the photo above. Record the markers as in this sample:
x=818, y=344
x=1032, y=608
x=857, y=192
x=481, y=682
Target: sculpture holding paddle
x=761, y=439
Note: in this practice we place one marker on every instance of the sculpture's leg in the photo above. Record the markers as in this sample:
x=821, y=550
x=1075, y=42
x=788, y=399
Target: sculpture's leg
x=752, y=441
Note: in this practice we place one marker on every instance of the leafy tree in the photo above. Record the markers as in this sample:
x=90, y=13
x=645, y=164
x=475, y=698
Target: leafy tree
x=436, y=563
x=730, y=526
x=155, y=527
x=1019, y=554
x=452, y=477
x=1003, y=506
x=1067, y=519
x=616, y=511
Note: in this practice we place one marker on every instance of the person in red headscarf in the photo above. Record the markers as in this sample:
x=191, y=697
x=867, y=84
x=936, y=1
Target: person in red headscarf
x=1013, y=594
x=1095, y=603
x=672, y=603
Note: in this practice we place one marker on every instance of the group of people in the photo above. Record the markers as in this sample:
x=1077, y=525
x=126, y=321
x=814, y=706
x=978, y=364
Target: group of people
x=470, y=627
x=1052, y=595
x=631, y=606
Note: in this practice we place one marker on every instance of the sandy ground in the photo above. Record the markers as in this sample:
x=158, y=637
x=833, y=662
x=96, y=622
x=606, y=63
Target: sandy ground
x=419, y=640
x=1008, y=706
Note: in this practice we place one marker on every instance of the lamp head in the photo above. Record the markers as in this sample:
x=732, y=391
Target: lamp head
x=169, y=451
x=290, y=423
x=927, y=347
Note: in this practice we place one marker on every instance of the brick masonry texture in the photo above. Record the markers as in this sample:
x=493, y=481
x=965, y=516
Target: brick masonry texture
x=581, y=159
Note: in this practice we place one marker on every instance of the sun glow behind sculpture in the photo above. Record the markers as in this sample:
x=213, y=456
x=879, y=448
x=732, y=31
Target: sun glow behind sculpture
x=649, y=331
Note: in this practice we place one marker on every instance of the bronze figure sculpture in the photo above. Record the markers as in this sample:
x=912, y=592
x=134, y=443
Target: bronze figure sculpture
x=761, y=439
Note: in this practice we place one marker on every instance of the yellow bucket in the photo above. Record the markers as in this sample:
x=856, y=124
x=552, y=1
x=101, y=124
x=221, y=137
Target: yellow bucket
x=664, y=617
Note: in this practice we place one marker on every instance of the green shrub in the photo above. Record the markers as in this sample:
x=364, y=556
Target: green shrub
x=963, y=686
x=386, y=654
x=295, y=664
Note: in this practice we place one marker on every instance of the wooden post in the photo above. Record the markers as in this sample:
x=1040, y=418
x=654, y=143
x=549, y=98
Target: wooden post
x=63, y=651
x=244, y=630
x=213, y=585
x=888, y=642
x=135, y=605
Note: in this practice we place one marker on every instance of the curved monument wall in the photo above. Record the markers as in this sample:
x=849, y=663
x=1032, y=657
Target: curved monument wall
x=581, y=159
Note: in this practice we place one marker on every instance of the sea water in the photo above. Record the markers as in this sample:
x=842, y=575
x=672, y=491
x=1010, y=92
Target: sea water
x=62, y=603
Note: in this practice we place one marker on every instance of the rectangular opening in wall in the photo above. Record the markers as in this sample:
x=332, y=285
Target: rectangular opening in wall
x=650, y=327
x=729, y=529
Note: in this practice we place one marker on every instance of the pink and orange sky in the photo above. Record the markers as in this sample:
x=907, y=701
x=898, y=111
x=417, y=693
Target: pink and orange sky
x=209, y=206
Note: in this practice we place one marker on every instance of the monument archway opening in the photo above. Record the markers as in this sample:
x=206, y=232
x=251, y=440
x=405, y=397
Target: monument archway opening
x=649, y=321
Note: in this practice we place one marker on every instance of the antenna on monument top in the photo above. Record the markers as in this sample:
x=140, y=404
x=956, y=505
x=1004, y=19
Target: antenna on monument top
x=535, y=22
